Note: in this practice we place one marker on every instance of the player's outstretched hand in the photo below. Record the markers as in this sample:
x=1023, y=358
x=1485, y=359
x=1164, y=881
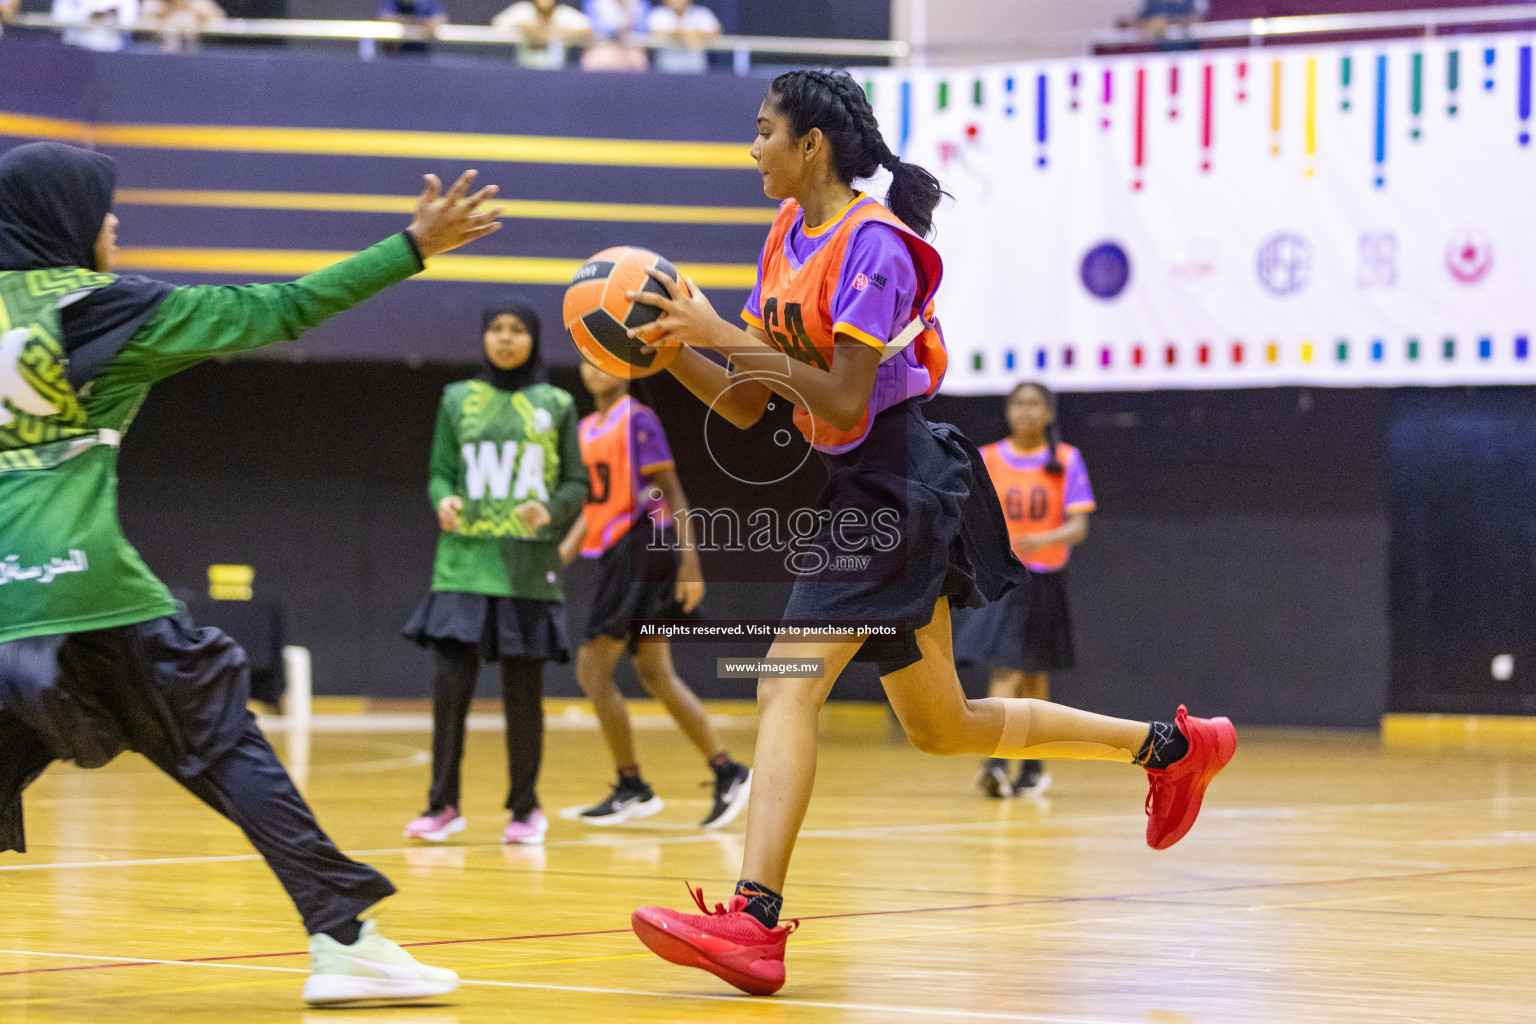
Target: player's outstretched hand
x=447, y=220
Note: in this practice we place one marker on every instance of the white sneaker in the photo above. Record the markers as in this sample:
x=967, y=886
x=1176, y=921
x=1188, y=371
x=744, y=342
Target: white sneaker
x=370, y=968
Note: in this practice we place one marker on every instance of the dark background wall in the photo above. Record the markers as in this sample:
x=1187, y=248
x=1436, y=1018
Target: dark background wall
x=1238, y=559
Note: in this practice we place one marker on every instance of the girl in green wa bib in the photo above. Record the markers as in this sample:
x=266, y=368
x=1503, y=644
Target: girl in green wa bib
x=507, y=481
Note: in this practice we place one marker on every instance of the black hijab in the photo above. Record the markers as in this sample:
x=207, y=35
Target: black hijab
x=53, y=199
x=532, y=369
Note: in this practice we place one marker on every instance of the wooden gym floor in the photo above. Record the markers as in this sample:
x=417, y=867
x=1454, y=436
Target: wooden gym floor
x=1327, y=880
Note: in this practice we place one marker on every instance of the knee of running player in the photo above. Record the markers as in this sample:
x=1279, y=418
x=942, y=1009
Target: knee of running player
x=594, y=669
x=787, y=694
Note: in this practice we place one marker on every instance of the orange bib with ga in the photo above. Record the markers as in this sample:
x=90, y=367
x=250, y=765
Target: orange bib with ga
x=797, y=317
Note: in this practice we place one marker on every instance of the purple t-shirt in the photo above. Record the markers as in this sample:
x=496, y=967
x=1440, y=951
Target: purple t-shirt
x=878, y=283
x=873, y=301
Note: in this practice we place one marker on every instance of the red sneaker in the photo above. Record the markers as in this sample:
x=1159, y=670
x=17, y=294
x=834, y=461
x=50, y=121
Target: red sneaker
x=1173, y=802
x=727, y=942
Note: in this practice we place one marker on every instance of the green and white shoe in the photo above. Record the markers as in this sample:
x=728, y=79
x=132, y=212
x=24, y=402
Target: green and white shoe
x=370, y=968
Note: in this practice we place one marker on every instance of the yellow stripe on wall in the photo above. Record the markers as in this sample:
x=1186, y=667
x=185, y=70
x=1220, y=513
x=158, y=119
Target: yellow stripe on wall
x=540, y=149
x=524, y=209
x=501, y=269
x=29, y=127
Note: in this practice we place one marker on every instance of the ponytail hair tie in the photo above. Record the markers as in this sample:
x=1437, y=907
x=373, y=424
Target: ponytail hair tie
x=891, y=162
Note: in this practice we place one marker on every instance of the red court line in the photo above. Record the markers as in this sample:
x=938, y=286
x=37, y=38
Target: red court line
x=1123, y=898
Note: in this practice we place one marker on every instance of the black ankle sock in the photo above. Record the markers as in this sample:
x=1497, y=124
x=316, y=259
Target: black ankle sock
x=1165, y=745
x=348, y=933
x=629, y=773
x=721, y=761
x=762, y=902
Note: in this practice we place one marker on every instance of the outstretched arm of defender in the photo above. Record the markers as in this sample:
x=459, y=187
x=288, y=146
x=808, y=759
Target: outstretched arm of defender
x=200, y=321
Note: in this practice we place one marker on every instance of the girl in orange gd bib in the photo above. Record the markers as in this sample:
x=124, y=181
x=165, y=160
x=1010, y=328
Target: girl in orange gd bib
x=1046, y=499
x=842, y=324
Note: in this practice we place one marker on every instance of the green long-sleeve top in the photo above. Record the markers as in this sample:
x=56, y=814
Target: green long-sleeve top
x=65, y=566
x=498, y=450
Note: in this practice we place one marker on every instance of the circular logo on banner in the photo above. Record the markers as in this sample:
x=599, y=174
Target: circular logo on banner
x=1106, y=270
x=1285, y=263
x=1469, y=257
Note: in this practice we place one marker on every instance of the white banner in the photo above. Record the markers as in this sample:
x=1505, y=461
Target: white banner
x=1351, y=215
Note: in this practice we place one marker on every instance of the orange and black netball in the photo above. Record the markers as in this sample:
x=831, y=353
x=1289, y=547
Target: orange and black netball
x=598, y=311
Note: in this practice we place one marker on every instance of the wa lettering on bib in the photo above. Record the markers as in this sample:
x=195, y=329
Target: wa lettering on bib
x=509, y=446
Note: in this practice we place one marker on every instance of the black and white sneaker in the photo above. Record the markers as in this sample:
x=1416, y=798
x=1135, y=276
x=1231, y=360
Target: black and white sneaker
x=1033, y=779
x=630, y=800
x=993, y=779
x=733, y=784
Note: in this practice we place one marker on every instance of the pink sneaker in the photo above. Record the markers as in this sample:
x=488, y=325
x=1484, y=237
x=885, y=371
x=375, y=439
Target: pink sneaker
x=436, y=827
x=527, y=833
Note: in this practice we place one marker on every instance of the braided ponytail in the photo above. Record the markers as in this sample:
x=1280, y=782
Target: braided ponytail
x=834, y=102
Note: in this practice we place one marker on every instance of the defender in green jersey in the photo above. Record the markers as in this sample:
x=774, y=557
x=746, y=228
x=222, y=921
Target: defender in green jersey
x=507, y=480
x=95, y=656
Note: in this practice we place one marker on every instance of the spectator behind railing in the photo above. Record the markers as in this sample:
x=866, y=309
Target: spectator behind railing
x=547, y=28
x=686, y=25
x=1157, y=16
x=179, y=21
x=105, y=13
x=423, y=14
x=8, y=10
x=612, y=23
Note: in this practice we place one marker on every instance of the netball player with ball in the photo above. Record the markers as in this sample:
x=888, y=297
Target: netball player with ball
x=841, y=324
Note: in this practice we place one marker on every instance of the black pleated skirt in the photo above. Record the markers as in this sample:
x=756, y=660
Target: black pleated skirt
x=1028, y=629
x=932, y=526
x=502, y=627
x=637, y=579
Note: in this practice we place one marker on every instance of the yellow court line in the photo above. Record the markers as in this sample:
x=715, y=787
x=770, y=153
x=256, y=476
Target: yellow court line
x=539, y=149
x=515, y=209
x=500, y=269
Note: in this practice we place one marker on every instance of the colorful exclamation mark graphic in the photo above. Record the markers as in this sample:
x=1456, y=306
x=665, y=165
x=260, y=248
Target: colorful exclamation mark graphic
x=1008, y=89
x=1141, y=126
x=1040, y=122
x=1109, y=95
x=977, y=93
x=1488, y=58
x=1311, y=116
x=1452, y=79
x=1274, y=108
x=1173, y=92
x=869, y=92
x=1205, y=118
x=1346, y=77
x=1381, y=120
x=1525, y=95
x=1416, y=96
x=1242, y=81
x=943, y=95
x=1073, y=80
x=906, y=117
